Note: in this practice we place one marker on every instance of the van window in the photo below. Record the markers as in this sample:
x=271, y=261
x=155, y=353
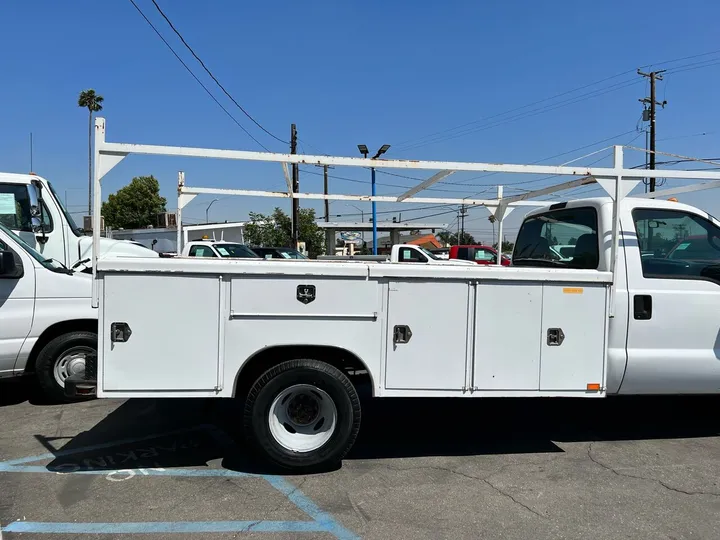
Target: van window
x=575, y=227
x=677, y=245
x=15, y=207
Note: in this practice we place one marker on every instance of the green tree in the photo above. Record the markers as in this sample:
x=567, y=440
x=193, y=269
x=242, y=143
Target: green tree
x=136, y=205
x=275, y=230
x=507, y=247
x=91, y=101
x=450, y=238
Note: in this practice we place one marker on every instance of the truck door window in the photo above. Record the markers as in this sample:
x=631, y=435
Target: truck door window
x=575, y=227
x=484, y=255
x=411, y=255
x=677, y=245
x=201, y=251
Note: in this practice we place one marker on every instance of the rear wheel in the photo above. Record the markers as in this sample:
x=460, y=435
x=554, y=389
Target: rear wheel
x=302, y=414
x=63, y=356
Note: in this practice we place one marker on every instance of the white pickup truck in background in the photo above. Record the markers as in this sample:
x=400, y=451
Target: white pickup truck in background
x=217, y=249
x=30, y=207
x=401, y=253
x=47, y=324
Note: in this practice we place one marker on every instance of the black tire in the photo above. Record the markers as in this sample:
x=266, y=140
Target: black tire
x=51, y=353
x=323, y=376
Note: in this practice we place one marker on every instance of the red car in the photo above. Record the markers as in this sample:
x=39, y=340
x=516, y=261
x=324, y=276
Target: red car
x=478, y=253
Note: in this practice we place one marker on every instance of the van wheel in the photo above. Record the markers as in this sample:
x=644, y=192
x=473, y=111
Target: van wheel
x=61, y=357
x=302, y=415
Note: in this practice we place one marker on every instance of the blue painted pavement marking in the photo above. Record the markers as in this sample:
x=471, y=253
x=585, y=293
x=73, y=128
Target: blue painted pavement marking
x=165, y=527
x=321, y=521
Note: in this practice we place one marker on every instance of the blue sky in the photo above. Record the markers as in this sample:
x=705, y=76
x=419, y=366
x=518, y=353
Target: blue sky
x=349, y=73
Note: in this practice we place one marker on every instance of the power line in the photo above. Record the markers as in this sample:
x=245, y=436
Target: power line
x=196, y=78
x=179, y=35
x=418, y=142
x=534, y=112
x=403, y=143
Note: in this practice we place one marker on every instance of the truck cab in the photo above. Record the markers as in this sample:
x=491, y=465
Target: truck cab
x=664, y=335
x=30, y=207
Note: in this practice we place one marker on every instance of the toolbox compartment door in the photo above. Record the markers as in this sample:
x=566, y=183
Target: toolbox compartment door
x=174, y=332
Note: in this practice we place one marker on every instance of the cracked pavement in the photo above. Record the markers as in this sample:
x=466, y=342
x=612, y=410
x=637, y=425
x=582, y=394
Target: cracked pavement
x=614, y=468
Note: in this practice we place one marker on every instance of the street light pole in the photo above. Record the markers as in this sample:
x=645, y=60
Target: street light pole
x=207, y=210
x=364, y=151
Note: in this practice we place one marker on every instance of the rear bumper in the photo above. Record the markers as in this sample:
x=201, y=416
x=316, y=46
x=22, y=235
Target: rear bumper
x=83, y=384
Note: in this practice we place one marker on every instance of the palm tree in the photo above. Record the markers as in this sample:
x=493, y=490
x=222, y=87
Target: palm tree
x=492, y=220
x=93, y=103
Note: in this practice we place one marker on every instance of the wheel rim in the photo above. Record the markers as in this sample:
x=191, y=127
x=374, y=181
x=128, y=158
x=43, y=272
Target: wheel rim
x=71, y=362
x=302, y=418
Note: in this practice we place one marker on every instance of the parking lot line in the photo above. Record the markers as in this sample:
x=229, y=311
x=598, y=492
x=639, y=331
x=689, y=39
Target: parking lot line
x=149, y=527
x=320, y=521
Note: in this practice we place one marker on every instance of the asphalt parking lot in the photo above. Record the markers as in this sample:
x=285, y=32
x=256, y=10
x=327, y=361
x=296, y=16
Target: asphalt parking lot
x=621, y=468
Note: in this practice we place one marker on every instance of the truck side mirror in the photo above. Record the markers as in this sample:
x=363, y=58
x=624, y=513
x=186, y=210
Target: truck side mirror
x=8, y=266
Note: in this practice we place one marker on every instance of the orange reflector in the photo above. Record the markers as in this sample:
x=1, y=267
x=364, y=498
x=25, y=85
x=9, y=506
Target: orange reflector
x=573, y=290
x=593, y=387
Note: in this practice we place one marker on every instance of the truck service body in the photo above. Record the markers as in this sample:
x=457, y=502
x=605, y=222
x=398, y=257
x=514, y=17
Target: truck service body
x=293, y=340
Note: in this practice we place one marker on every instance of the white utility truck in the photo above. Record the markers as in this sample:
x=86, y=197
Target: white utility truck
x=293, y=341
x=217, y=249
x=47, y=323
x=401, y=253
x=30, y=207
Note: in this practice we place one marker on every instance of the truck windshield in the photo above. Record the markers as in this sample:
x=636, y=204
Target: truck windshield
x=77, y=231
x=429, y=253
x=235, y=250
x=50, y=264
x=544, y=239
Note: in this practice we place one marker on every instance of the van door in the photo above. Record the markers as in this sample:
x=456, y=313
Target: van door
x=17, y=301
x=673, y=274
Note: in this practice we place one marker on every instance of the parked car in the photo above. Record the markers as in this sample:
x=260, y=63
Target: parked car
x=478, y=253
x=565, y=252
x=218, y=249
x=278, y=253
x=441, y=253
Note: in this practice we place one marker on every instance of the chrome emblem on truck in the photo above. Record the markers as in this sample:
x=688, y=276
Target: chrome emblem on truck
x=306, y=293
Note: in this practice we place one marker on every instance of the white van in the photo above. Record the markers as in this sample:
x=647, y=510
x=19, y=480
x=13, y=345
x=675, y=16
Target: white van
x=47, y=323
x=30, y=207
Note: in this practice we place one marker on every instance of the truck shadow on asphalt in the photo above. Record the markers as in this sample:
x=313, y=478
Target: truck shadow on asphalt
x=173, y=433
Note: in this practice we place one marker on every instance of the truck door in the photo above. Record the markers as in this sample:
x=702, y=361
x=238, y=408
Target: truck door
x=17, y=300
x=674, y=287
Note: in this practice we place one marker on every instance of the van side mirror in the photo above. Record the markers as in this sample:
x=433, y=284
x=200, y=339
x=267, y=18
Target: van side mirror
x=8, y=267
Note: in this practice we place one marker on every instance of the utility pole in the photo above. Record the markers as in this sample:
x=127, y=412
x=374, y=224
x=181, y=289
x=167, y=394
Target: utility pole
x=463, y=213
x=296, y=189
x=653, y=76
x=327, y=202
